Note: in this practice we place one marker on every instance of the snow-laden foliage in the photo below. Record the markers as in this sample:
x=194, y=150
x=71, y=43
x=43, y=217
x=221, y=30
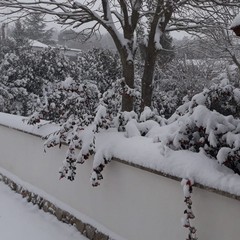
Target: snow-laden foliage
x=187, y=185
x=10, y=46
x=178, y=79
x=166, y=102
x=82, y=111
x=100, y=66
x=28, y=76
x=49, y=84
x=77, y=125
x=209, y=123
x=79, y=137
x=147, y=120
x=69, y=98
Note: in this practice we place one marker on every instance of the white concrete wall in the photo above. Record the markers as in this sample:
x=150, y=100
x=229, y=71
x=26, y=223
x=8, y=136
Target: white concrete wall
x=133, y=203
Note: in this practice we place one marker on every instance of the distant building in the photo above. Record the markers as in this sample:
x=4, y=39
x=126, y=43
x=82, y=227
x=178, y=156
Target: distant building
x=69, y=52
x=38, y=46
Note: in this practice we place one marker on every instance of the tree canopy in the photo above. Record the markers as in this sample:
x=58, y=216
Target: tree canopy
x=122, y=19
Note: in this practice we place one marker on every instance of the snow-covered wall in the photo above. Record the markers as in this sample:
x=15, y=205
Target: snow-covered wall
x=130, y=202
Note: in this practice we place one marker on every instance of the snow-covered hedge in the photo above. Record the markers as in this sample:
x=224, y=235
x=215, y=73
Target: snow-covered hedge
x=203, y=125
x=208, y=124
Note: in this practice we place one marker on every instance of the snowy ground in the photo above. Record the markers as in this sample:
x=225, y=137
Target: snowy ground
x=22, y=220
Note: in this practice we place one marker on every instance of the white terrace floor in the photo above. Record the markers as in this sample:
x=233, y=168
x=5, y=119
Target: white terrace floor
x=23, y=221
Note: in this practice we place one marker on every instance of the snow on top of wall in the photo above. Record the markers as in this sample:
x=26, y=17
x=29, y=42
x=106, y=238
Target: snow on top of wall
x=146, y=152
x=20, y=123
x=184, y=164
x=236, y=21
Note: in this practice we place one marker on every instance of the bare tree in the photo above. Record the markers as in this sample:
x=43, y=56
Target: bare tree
x=121, y=19
x=218, y=40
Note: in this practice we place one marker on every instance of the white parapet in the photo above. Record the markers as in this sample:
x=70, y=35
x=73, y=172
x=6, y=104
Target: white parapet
x=130, y=202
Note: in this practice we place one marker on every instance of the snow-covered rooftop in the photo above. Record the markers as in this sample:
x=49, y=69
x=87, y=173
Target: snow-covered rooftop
x=35, y=43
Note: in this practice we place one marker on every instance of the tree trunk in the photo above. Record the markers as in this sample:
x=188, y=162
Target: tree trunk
x=127, y=66
x=3, y=32
x=162, y=12
x=150, y=59
x=147, y=79
x=128, y=74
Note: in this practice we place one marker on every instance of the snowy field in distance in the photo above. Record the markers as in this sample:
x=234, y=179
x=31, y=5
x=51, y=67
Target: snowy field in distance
x=22, y=220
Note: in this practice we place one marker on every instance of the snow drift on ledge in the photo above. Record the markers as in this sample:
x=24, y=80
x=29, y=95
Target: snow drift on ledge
x=148, y=153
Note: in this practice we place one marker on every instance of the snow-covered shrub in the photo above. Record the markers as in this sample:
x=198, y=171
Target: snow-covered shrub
x=7, y=46
x=202, y=124
x=79, y=137
x=149, y=114
x=69, y=98
x=82, y=111
x=198, y=125
x=209, y=123
x=224, y=99
x=166, y=102
x=27, y=76
x=78, y=110
x=112, y=98
x=100, y=66
x=15, y=79
x=178, y=79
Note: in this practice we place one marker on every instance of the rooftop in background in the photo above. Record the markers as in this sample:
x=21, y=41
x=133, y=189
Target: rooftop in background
x=37, y=44
x=70, y=52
